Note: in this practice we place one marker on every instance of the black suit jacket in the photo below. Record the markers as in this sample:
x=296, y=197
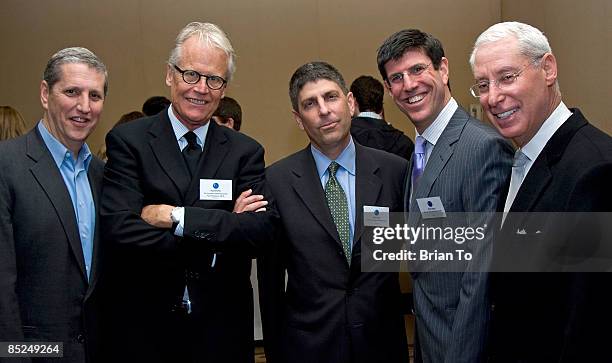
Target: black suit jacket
x=562, y=316
x=150, y=266
x=378, y=134
x=330, y=312
x=45, y=292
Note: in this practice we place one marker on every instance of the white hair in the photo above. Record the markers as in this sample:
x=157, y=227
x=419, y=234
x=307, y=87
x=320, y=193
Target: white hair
x=209, y=34
x=532, y=43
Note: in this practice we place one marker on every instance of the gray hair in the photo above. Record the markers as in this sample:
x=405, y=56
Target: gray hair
x=312, y=72
x=532, y=43
x=53, y=72
x=209, y=34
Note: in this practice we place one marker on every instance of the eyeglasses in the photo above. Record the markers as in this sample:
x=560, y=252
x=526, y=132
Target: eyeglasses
x=414, y=72
x=503, y=82
x=193, y=77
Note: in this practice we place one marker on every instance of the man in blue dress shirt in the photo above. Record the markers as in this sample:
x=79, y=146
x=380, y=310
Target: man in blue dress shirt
x=49, y=190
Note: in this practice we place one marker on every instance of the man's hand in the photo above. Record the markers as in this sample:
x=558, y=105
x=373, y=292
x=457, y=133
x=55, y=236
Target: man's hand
x=157, y=215
x=247, y=202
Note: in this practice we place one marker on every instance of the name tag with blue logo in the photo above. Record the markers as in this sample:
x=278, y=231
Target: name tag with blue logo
x=431, y=207
x=215, y=189
x=374, y=216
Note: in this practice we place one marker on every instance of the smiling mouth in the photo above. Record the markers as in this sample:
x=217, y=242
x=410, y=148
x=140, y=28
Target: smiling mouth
x=506, y=114
x=78, y=119
x=195, y=101
x=415, y=99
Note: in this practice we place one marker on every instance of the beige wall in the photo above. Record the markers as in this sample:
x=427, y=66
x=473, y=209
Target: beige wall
x=273, y=37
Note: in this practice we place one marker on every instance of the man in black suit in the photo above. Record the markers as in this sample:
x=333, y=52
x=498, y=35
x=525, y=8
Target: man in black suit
x=330, y=311
x=179, y=269
x=562, y=165
x=49, y=188
x=369, y=127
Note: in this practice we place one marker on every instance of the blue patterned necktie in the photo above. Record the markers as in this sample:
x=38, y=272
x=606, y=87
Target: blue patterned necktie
x=418, y=161
x=338, y=206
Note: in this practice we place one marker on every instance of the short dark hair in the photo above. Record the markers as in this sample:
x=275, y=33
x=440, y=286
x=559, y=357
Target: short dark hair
x=229, y=107
x=312, y=72
x=408, y=39
x=154, y=105
x=369, y=93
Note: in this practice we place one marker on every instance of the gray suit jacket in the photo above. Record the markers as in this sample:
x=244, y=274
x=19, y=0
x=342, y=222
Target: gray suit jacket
x=45, y=292
x=468, y=169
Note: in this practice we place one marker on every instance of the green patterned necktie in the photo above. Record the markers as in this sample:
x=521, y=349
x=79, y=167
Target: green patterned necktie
x=338, y=206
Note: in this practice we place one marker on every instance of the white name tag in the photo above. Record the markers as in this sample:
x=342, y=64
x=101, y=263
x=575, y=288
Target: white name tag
x=374, y=216
x=431, y=207
x=215, y=189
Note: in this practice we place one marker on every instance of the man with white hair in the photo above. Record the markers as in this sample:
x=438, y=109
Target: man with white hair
x=563, y=164
x=179, y=262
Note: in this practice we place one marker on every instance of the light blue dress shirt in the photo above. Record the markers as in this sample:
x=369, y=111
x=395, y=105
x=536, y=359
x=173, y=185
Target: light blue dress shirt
x=74, y=173
x=345, y=176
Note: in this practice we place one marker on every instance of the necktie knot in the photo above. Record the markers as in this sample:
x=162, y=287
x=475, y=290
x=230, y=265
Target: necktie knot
x=419, y=146
x=333, y=168
x=192, y=140
x=520, y=159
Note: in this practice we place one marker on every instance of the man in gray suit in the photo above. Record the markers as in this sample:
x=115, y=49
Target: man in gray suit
x=49, y=188
x=459, y=165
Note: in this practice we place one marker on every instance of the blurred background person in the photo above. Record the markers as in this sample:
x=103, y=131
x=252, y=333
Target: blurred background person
x=127, y=117
x=11, y=123
x=369, y=127
x=154, y=105
x=229, y=113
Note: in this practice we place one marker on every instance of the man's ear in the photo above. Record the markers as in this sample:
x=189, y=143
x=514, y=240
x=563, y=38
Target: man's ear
x=444, y=71
x=298, y=119
x=549, y=65
x=44, y=95
x=168, y=75
x=352, y=103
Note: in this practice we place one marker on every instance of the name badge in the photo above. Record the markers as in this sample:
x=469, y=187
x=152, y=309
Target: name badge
x=431, y=207
x=213, y=189
x=374, y=216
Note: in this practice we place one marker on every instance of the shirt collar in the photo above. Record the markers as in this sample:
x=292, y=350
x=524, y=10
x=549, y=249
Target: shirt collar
x=180, y=130
x=434, y=131
x=346, y=159
x=59, y=152
x=370, y=115
x=537, y=143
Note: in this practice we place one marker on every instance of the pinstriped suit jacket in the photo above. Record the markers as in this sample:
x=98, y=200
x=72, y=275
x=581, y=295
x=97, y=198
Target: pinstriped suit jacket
x=468, y=169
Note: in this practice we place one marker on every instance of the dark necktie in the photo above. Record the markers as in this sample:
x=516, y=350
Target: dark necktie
x=338, y=206
x=192, y=152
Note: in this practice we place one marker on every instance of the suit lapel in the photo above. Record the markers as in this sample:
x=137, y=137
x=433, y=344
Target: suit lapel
x=95, y=182
x=305, y=182
x=442, y=152
x=165, y=148
x=367, y=188
x=540, y=174
x=46, y=173
x=215, y=150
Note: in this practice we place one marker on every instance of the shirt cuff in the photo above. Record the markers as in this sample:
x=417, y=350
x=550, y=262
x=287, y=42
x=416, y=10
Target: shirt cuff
x=178, y=231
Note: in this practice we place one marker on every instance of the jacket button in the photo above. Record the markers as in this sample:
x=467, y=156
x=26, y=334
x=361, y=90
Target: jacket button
x=80, y=338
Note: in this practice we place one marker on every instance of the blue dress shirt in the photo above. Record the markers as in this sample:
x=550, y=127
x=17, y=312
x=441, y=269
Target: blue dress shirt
x=74, y=173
